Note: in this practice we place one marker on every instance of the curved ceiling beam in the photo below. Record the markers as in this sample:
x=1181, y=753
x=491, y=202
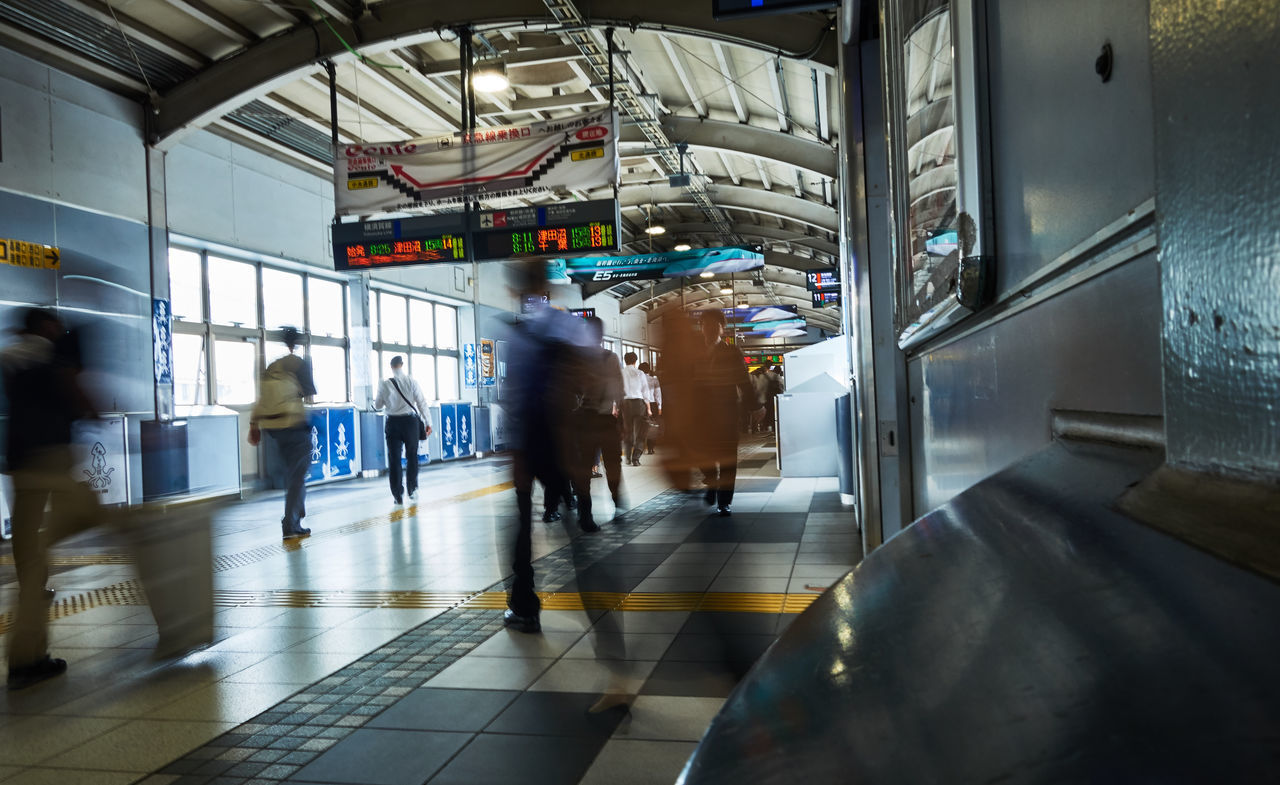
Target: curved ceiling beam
x=753, y=230
x=793, y=285
x=736, y=197
x=270, y=62
x=766, y=144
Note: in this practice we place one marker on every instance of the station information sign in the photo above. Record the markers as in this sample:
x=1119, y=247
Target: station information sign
x=824, y=280
x=398, y=242
x=582, y=313
x=824, y=299
x=768, y=359
x=569, y=229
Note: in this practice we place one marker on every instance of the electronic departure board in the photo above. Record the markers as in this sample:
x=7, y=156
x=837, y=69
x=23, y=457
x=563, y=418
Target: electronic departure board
x=556, y=229
x=824, y=299
x=398, y=242
x=824, y=280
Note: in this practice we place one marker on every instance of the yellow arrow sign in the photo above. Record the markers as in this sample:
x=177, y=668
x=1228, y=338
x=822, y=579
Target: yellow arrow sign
x=20, y=253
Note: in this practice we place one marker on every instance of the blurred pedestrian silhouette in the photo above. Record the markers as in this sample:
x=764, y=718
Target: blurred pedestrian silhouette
x=723, y=391
x=596, y=422
x=635, y=408
x=539, y=397
x=41, y=380
x=283, y=390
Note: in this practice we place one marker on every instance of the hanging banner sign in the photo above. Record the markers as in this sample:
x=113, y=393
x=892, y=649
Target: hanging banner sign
x=488, y=364
x=162, y=340
x=469, y=364
x=577, y=152
x=649, y=266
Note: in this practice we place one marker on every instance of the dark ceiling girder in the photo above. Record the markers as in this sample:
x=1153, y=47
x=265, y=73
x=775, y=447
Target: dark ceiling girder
x=768, y=144
x=763, y=231
x=233, y=81
x=736, y=197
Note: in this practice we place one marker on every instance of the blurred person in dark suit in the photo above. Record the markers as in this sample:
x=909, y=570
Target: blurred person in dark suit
x=723, y=391
x=539, y=396
x=41, y=381
x=596, y=426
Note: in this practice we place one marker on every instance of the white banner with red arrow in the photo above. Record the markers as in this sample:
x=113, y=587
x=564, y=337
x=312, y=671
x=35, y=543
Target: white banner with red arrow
x=518, y=160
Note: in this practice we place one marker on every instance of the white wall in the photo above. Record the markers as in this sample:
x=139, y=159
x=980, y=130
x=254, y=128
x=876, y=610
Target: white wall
x=69, y=141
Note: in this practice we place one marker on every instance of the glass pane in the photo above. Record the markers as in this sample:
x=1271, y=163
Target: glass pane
x=447, y=377
x=282, y=299
x=325, y=304
x=377, y=371
x=422, y=367
x=329, y=365
x=395, y=325
x=189, y=370
x=273, y=350
x=446, y=327
x=421, y=323
x=233, y=292
x=237, y=369
x=932, y=233
x=186, y=289
x=373, y=316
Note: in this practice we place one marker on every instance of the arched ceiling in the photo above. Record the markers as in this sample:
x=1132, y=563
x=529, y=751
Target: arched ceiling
x=750, y=98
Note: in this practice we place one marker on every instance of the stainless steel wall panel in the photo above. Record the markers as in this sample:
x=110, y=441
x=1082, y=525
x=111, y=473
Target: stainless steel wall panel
x=1217, y=203
x=1070, y=154
x=983, y=402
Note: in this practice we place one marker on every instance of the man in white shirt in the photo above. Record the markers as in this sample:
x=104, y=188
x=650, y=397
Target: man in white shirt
x=635, y=408
x=406, y=408
x=655, y=402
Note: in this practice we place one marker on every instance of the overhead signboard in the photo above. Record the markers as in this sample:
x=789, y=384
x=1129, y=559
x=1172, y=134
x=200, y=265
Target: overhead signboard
x=396, y=242
x=767, y=321
x=582, y=313
x=20, y=253
x=545, y=230
x=650, y=266
x=577, y=152
x=825, y=280
x=825, y=299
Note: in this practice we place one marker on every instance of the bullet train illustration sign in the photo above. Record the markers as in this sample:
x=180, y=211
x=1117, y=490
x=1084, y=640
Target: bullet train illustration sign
x=672, y=264
x=576, y=152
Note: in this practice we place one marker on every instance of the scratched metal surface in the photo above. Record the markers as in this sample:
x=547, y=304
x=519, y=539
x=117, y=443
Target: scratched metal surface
x=1022, y=633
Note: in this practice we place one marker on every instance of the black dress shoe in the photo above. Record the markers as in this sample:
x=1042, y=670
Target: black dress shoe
x=595, y=473
x=290, y=534
x=550, y=515
x=588, y=525
x=526, y=624
x=724, y=511
x=28, y=675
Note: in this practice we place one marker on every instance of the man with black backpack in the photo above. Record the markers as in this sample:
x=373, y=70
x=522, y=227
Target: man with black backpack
x=280, y=411
x=408, y=422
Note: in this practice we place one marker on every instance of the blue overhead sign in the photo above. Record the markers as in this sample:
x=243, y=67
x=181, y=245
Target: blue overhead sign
x=650, y=266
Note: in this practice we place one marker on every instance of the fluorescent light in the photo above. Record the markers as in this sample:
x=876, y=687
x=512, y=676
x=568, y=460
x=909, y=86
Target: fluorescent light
x=726, y=290
x=743, y=305
x=490, y=77
x=656, y=230
x=702, y=275
x=685, y=247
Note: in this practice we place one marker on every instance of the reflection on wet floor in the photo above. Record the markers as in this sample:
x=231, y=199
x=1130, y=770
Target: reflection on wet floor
x=382, y=634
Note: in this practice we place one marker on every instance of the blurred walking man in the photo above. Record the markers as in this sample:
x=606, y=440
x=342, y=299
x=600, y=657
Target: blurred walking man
x=45, y=398
x=635, y=408
x=285, y=386
x=597, y=422
x=723, y=390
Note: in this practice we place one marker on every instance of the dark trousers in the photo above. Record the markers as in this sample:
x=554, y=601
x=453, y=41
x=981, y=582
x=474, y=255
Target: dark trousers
x=596, y=432
x=721, y=470
x=528, y=465
x=634, y=426
x=294, y=446
x=402, y=435
x=44, y=479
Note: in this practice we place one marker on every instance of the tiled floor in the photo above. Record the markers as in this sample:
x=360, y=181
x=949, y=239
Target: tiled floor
x=397, y=669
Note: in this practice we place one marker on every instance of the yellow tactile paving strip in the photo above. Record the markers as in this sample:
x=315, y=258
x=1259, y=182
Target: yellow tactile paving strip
x=130, y=593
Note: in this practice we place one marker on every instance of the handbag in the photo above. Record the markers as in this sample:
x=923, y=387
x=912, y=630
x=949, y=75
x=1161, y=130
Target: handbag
x=422, y=426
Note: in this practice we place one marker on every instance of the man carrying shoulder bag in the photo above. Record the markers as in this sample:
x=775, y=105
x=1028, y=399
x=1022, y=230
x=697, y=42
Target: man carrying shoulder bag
x=408, y=422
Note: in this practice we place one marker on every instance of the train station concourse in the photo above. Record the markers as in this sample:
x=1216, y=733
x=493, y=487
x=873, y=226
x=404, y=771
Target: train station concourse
x=553, y=392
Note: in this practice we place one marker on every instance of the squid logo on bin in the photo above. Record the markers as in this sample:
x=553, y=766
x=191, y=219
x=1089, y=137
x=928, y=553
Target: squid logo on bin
x=464, y=433
x=99, y=473
x=315, y=445
x=342, y=448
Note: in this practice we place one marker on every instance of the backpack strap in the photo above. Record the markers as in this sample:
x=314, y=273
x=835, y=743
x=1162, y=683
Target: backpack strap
x=406, y=399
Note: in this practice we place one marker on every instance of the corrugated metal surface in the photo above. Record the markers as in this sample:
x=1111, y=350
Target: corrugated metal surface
x=83, y=34
x=280, y=127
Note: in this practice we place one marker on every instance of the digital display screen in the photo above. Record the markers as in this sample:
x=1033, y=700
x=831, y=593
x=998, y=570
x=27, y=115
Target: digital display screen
x=824, y=299
x=545, y=241
x=392, y=253
x=822, y=280
x=583, y=313
x=731, y=9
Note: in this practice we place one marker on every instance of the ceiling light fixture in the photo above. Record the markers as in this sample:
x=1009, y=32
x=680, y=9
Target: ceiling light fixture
x=490, y=76
x=655, y=230
x=703, y=275
x=685, y=247
x=726, y=290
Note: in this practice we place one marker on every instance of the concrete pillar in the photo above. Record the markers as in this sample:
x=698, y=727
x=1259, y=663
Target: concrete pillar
x=162, y=317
